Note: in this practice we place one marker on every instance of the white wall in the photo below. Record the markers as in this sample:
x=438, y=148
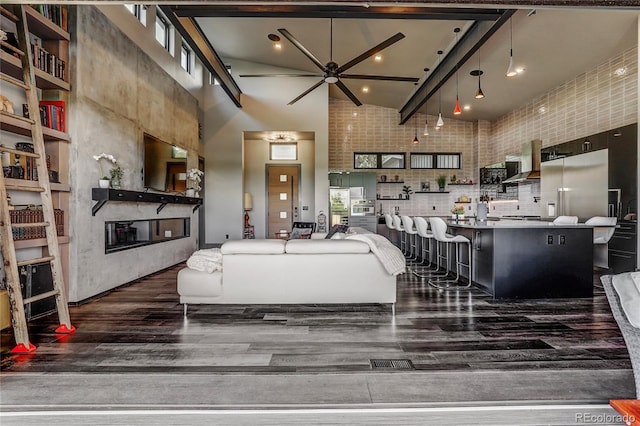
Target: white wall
x=256, y=158
x=265, y=109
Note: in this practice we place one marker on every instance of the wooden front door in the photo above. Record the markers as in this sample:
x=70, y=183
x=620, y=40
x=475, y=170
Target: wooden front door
x=282, y=198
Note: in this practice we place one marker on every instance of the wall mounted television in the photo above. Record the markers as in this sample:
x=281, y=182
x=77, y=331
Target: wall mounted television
x=165, y=165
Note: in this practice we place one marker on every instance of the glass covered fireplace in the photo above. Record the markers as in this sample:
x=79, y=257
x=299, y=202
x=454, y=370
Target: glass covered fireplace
x=128, y=234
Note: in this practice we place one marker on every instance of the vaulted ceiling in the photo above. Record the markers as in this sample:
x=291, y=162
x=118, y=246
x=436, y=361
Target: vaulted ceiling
x=553, y=45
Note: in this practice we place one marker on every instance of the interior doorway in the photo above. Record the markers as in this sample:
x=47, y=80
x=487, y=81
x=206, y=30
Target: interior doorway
x=283, y=201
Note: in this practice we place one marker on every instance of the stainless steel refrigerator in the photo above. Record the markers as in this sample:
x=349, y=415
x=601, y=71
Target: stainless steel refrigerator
x=575, y=186
x=339, y=205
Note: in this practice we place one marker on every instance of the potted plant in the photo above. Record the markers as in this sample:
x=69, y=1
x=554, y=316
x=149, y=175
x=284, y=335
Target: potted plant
x=442, y=180
x=116, y=176
x=407, y=191
x=105, y=181
x=458, y=212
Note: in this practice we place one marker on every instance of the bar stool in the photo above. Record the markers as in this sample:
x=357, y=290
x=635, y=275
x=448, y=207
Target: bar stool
x=426, y=239
x=397, y=224
x=411, y=235
x=439, y=229
x=603, y=228
x=388, y=220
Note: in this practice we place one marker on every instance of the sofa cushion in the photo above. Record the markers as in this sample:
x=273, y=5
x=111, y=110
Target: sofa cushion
x=254, y=247
x=326, y=246
x=627, y=286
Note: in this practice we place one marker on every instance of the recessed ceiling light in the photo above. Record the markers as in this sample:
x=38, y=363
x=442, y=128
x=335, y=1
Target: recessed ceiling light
x=365, y=89
x=276, y=41
x=378, y=58
x=466, y=107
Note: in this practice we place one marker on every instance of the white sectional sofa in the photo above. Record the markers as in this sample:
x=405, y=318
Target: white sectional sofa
x=297, y=271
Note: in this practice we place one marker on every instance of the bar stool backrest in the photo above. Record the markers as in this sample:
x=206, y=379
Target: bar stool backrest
x=422, y=226
x=388, y=220
x=565, y=220
x=439, y=228
x=397, y=222
x=407, y=223
x=602, y=235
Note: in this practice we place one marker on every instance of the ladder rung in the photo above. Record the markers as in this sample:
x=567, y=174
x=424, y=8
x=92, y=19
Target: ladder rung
x=14, y=81
x=12, y=48
x=34, y=261
x=15, y=151
x=6, y=13
x=25, y=188
x=17, y=117
x=41, y=296
x=29, y=225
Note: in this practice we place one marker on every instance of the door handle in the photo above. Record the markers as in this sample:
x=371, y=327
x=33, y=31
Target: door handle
x=476, y=241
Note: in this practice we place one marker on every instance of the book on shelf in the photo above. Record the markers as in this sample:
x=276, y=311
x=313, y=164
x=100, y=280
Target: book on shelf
x=52, y=114
x=55, y=13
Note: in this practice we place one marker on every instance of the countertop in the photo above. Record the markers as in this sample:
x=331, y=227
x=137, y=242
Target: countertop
x=505, y=224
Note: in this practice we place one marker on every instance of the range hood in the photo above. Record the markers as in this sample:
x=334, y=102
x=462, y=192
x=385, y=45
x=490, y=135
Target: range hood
x=529, y=162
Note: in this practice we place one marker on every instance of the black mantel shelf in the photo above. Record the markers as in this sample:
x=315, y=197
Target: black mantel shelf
x=102, y=195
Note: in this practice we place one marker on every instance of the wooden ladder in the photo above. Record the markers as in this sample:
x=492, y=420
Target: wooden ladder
x=18, y=318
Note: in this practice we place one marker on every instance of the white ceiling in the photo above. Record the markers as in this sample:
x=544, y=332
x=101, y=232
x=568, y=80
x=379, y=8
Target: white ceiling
x=554, y=45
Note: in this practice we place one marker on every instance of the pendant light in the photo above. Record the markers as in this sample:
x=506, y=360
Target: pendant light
x=416, y=141
x=426, y=113
x=457, y=110
x=511, y=71
x=478, y=73
x=440, y=121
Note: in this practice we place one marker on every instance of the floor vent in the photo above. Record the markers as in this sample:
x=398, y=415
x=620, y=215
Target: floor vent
x=392, y=364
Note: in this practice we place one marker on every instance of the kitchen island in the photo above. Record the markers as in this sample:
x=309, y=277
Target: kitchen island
x=515, y=259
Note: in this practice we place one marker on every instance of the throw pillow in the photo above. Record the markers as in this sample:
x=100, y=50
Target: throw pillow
x=336, y=228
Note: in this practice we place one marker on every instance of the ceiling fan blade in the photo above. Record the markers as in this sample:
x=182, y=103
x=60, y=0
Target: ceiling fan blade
x=379, y=77
x=281, y=75
x=300, y=47
x=348, y=93
x=388, y=42
x=306, y=92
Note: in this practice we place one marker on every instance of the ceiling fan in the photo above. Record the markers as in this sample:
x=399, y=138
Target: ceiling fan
x=332, y=72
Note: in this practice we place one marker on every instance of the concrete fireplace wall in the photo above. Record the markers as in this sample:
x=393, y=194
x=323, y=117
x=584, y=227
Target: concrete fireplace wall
x=118, y=94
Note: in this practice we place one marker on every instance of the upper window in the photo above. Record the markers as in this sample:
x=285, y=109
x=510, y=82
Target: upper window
x=185, y=58
x=379, y=160
x=163, y=31
x=139, y=11
x=283, y=151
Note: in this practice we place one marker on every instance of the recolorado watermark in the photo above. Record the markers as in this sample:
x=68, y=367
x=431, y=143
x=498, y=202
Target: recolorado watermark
x=601, y=418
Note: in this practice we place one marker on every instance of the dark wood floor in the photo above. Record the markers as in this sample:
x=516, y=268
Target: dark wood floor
x=140, y=328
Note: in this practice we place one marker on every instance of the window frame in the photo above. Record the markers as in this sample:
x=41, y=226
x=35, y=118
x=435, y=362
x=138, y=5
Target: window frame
x=379, y=160
x=139, y=11
x=275, y=144
x=436, y=160
x=185, y=48
x=166, y=43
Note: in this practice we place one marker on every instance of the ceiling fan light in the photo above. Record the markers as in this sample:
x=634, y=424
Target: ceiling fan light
x=331, y=79
x=440, y=121
x=457, y=110
x=511, y=71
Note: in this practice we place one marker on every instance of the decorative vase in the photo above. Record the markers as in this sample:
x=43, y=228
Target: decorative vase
x=383, y=178
x=115, y=183
x=104, y=183
x=190, y=192
x=441, y=188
